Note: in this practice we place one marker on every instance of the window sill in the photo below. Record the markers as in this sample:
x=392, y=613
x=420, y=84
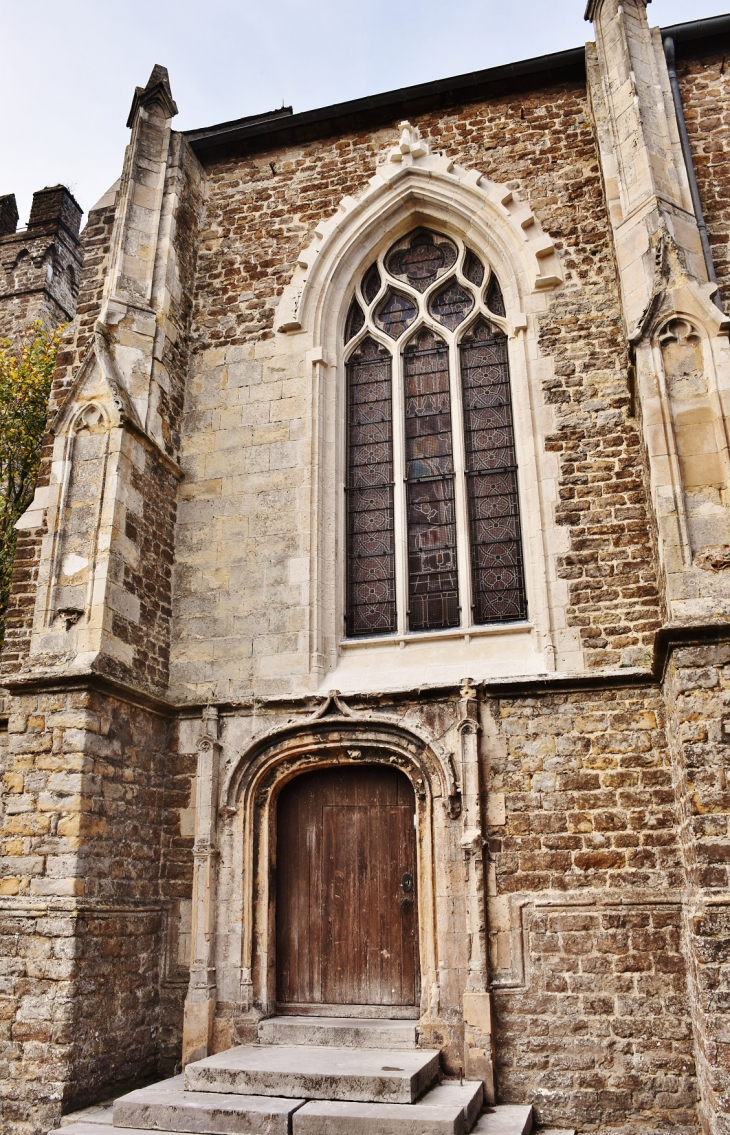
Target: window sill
x=414, y=637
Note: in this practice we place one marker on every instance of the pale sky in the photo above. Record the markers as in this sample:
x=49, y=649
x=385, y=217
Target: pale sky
x=69, y=69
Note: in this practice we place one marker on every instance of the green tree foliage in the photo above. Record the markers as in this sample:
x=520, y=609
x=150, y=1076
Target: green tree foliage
x=25, y=384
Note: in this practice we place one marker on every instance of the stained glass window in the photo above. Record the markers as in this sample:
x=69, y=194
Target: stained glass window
x=451, y=305
x=433, y=591
x=421, y=258
x=396, y=313
x=371, y=607
x=409, y=509
x=355, y=321
x=495, y=300
x=473, y=269
x=498, y=584
x=371, y=284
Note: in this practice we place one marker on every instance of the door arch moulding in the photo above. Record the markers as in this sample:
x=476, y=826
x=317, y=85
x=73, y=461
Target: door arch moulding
x=236, y=839
x=438, y=764
x=248, y=831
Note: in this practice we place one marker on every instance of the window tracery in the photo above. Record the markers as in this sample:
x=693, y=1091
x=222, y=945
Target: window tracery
x=436, y=476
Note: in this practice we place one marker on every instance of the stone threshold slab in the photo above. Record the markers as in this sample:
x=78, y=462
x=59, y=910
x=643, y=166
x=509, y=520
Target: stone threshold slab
x=339, y=1032
x=315, y=1072
x=79, y=1127
x=505, y=1119
x=448, y=1109
x=333, y=1117
x=96, y=1113
x=469, y=1095
x=168, y=1107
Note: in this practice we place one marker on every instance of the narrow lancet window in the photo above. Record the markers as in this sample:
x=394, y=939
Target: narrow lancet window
x=371, y=606
x=433, y=593
x=498, y=584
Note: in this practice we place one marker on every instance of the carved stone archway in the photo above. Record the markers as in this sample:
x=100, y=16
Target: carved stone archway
x=233, y=976
x=249, y=817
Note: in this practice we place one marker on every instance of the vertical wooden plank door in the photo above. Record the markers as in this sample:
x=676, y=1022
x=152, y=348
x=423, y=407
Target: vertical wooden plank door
x=346, y=907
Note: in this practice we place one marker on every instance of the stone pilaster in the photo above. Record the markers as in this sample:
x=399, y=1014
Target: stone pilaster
x=201, y=997
x=476, y=999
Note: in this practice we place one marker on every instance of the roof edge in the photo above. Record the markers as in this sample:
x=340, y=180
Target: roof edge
x=228, y=133
x=275, y=127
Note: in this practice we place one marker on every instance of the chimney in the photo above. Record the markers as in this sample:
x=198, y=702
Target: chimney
x=53, y=206
x=8, y=214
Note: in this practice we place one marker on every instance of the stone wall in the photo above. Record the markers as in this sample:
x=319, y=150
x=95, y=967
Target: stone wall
x=608, y=837
x=83, y=911
x=698, y=700
x=705, y=84
x=94, y=246
x=247, y=433
x=593, y=1022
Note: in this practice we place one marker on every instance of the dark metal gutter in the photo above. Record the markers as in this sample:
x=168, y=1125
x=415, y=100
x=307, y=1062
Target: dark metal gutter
x=710, y=28
x=282, y=128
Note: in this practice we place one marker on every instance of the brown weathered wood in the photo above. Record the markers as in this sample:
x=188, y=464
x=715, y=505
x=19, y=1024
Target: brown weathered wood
x=347, y=929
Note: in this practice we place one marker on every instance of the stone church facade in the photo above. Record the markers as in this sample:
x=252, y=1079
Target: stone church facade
x=385, y=503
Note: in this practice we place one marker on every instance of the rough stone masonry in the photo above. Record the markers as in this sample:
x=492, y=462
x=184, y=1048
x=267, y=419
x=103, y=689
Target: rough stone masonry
x=180, y=648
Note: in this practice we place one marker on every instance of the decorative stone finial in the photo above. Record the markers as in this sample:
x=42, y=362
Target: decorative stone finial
x=156, y=93
x=410, y=144
x=593, y=6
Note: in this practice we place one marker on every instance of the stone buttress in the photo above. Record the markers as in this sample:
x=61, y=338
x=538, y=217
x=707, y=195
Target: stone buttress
x=679, y=339
x=87, y=741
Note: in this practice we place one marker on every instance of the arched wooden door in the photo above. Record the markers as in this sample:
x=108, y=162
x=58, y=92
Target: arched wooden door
x=346, y=904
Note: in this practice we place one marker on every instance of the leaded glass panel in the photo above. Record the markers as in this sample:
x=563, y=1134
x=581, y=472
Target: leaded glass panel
x=418, y=282
x=498, y=583
x=433, y=591
x=451, y=305
x=396, y=313
x=371, y=284
x=371, y=607
x=473, y=269
x=495, y=299
x=421, y=258
x=355, y=321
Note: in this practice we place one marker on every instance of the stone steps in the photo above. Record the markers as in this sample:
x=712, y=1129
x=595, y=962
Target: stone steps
x=505, y=1119
x=359, y=1075
x=448, y=1109
x=385, y=1119
x=338, y=1032
x=310, y=1076
x=168, y=1107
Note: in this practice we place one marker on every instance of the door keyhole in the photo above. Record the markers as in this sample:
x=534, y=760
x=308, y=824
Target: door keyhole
x=407, y=882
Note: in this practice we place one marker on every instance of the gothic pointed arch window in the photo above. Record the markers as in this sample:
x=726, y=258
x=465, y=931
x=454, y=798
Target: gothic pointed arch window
x=433, y=523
